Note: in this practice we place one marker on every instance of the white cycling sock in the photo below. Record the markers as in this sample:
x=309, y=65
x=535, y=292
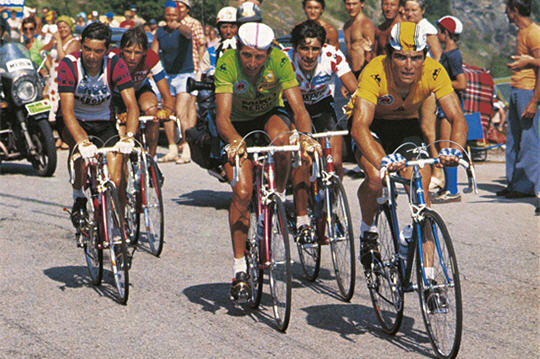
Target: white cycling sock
x=430, y=272
x=367, y=228
x=239, y=265
x=302, y=220
x=78, y=193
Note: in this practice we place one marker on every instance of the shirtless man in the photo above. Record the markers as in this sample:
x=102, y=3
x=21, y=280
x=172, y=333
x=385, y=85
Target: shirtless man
x=391, y=10
x=314, y=10
x=359, y=34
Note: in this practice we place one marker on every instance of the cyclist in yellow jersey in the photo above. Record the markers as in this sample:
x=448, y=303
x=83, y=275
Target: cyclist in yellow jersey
x=391, y=89
x=249, y=83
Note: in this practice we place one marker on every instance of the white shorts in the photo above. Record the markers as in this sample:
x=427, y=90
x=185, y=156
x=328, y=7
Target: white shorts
x=178, y=82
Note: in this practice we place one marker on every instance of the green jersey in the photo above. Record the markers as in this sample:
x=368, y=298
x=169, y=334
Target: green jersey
x=251, y=100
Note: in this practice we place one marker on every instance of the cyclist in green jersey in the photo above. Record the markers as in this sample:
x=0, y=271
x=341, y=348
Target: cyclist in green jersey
x=249, y=83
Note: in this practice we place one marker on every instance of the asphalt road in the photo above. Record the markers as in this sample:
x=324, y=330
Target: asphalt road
x=179, y=307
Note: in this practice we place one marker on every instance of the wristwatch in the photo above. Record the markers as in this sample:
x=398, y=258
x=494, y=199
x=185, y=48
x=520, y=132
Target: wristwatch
x=130, y=134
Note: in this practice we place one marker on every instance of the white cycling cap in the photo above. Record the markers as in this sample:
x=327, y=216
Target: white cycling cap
x=227, y=14
x=451, y=23
x=256, y=35
x=407, y=36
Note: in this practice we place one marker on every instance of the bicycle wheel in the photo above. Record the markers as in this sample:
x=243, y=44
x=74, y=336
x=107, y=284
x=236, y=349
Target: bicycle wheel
x=280, y=264
x=116, y=236
x=132, y=215
x=342, y=240
x=440, y=297
x=152, y=206
x=255, y=272
x=93, y=252
x=310, y=253
x=385, y=281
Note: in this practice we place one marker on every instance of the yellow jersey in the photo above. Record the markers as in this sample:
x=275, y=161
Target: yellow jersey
x=376, y=84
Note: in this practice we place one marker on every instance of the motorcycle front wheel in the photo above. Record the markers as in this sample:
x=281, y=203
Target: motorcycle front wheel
x=44, y=160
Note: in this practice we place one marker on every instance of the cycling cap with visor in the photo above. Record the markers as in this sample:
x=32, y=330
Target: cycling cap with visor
x=451, y=23
x=256, y=35
x=248, y=12
x=406, y=36
x=227, y=14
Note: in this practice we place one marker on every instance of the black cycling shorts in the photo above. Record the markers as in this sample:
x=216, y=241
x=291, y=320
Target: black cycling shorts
x=245, y=127
x=100, y=132
x=392, y=133
x=118, y=104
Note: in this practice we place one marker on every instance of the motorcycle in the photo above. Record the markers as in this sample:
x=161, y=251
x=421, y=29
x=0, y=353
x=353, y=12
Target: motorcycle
x=25, y=131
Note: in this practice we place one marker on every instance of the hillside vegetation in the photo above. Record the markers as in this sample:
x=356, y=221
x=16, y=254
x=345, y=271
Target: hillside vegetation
x=487, y=41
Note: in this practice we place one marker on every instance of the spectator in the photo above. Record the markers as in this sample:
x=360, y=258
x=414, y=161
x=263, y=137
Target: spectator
x=49, y=28
x=81, y=19
x=138, y=20
x=211, y=36
x=110, y=20
x=128, y=23
x=153, y=26
x=522, y=138
x=391, y=10
x=414, y=12
x=314, y=10
x=62, y=44
x=146, y=27
x=44, y=12
x=14, y=24
x=94, y=17
x=174, y=44
x=450, y=29
x=199, y=48
x=32, y=40
x=359, y=33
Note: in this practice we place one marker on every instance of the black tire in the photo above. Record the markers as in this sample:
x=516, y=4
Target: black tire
x=93, y=251
x=342, y=240
x=152, y=207
x=443, y=320
x=132, y=214
x=116, y=236
x=310, y=254
x=255, y=271
x=280, y=264
x=384, y=281
x=45, y=161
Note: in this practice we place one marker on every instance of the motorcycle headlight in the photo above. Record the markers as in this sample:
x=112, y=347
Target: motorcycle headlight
x=24, y=90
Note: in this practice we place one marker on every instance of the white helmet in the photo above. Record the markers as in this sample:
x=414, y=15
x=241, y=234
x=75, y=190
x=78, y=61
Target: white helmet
x=227, y=14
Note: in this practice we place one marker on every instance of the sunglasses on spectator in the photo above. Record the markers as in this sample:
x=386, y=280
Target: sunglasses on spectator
x=25, y=28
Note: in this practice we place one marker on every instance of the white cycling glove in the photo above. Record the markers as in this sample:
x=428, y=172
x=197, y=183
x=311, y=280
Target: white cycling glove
x=393, y=158
x=87, y=149
x=451, y=152
x=125, y=145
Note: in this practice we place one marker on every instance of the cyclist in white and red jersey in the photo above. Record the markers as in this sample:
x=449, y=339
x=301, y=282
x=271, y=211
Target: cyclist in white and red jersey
x=316, y=66
x=86, y=81
x=142, y=62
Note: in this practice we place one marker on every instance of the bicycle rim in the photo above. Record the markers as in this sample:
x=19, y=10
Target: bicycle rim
x=440, y=302
x=153, y=209
x=280, y=264
x=117, y=244
x=342, y=241
x=93, y=252
x=252, y=259
x=384, y=281
x=131, y=216
x=310, y=253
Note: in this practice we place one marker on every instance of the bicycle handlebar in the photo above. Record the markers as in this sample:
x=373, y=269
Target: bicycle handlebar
x=261, y=149
x=330, y=134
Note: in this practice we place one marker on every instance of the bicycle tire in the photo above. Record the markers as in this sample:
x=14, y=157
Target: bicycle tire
x=93, y=251
x=132, y=214
x=152, y=207
x=280, y=264
x=255, y=271
x=310, y=254
x=385, y=280
x=443, y=320
x=116, y=236
x=342, y=244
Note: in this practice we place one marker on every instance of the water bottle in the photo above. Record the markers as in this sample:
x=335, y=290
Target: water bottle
x=404, y=239
x=260, y=227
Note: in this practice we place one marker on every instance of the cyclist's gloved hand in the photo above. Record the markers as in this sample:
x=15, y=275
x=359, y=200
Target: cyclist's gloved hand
x=164, y=114
x=236, y=148
x=125, y=145
x=391, y=159
x=87, y=149
x=451, y=152
x=122, y=118
x=308, y=146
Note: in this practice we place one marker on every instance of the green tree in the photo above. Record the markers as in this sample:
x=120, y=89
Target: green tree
x=206, y=10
